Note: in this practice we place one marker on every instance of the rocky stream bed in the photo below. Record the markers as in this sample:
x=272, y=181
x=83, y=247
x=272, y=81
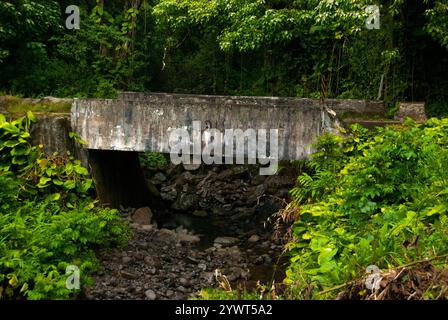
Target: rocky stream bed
x=213, y=221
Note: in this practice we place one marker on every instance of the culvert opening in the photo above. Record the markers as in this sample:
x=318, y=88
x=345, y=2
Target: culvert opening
x=204, y=218
x=224, y=205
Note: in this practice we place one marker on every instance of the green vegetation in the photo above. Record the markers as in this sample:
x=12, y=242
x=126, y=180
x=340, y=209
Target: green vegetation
x=48, y=221
x=18, y=105
x=219, y=294
x=307, y=48
x=365, y=198
x=368, y=198
x=362, y=199
x=153, y=160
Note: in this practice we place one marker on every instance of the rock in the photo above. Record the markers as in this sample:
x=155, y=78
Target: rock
x=232, y=172
x=254, y=194
x=226, y=241
x=166, y=235
x=148, y=227
x=188, y=238
x=126, y=260
x=256, y=180
x=185, y=202
x=200, y=213
x=265, y=244
x=149, y=261
x=150, y=295
x=142, y=216
x=253, y=238
x=202, y=266
x=258, y=260
x=184, y=282
x=128, y=275
x=169, y=293
x=191, y=167
x=265, y=258
x=181, y=289
x=113, y=282
x=158, y=178
x=219, y=198
x=208, y=277
x=236, y=273
x=169, y=193
x=187, y=176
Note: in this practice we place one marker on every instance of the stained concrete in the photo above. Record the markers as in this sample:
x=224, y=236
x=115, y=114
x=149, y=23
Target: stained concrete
x=141, y=122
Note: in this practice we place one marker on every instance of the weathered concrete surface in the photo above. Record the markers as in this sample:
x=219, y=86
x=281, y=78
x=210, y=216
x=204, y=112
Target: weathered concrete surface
x=413, y=110
x=141, y=122
x=51, y=130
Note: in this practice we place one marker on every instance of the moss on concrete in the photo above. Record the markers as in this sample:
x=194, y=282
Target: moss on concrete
x=17, y=105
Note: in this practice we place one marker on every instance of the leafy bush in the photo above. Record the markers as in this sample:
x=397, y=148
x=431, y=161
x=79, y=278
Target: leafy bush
x=367, y=197
x=47, y=219
x=153, y=160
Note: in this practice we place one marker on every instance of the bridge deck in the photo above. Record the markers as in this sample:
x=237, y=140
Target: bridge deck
x=141, y=122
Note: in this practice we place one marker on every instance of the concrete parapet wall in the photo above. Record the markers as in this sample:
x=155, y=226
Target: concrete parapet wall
x=141, y=122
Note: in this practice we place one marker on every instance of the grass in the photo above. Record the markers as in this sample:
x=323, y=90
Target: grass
x=17, y=105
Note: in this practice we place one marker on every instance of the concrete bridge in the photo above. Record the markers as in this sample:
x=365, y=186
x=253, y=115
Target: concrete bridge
x=136, y=122
x=141, y=122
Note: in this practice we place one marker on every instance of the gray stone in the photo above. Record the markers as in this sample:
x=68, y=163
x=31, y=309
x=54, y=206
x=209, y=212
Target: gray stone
x=185, y=202
x=191, y=167
x=142, y=216
x=200, y=213
x=183, y=235
x=254, y=238
x=168, y=193
x=148, y=227
x=158, y=178
x=128, y=275
x=126, y=260
x=226, y=241
x=149, y=261
x=166, y=235
x=184, y=282
x=150, y=295
x=169, y=293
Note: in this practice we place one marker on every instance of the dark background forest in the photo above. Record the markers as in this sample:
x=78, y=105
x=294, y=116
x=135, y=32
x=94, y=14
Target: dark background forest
x=301, y=48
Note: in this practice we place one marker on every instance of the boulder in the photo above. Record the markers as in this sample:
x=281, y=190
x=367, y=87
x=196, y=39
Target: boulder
x=142, y=216
x=226, y=241
x=254, y=238
x=150, y=295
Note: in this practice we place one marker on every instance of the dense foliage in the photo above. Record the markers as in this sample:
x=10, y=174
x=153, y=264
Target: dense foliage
x=370, y=198
x=48, y=221
x=306, y=48
x=363, y=195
